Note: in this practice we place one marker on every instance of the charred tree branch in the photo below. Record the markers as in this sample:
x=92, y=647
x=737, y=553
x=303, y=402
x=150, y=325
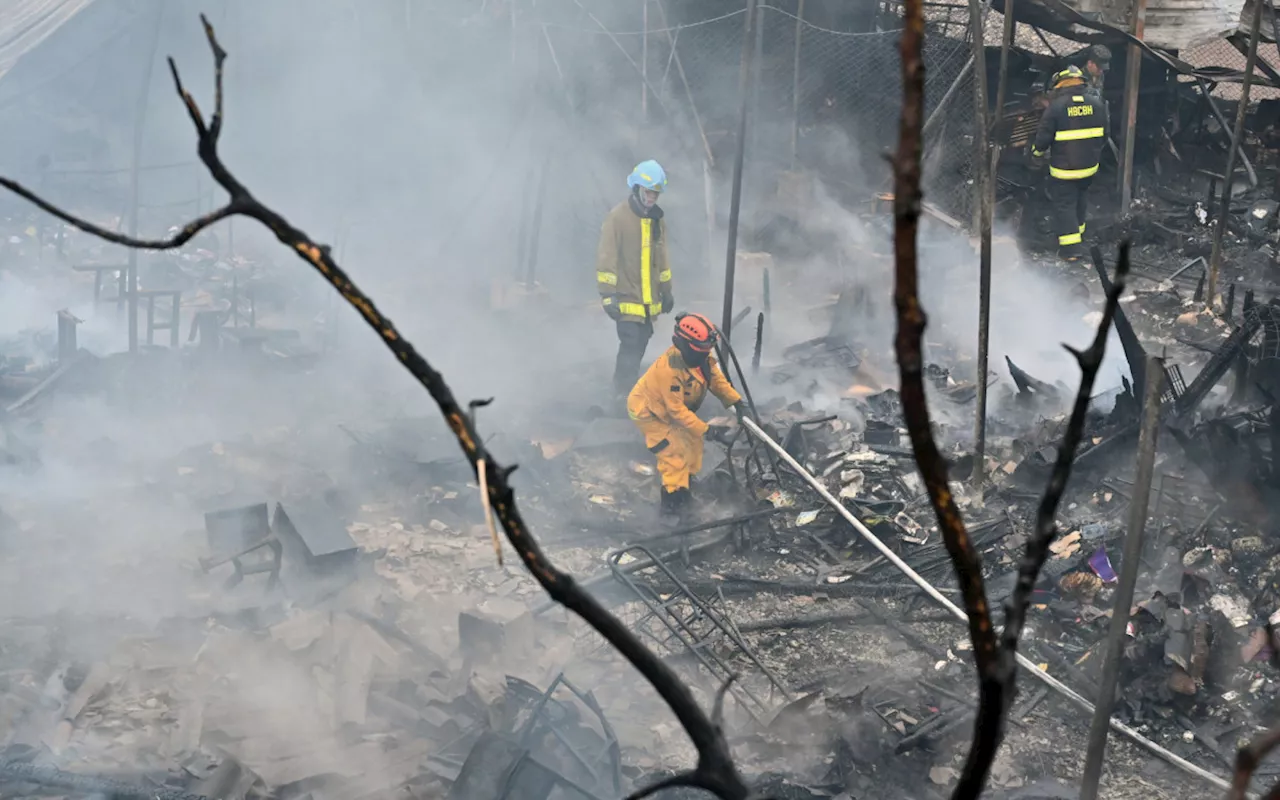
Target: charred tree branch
x=715, y=770
x=995, y=658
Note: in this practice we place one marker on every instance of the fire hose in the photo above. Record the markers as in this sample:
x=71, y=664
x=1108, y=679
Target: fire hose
x=1053, y=683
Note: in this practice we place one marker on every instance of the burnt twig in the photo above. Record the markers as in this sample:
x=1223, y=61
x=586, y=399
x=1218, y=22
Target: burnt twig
x=1248, y=759
x=996, y=659
x=915, y=410
x=715, y=771
x=1046, y=527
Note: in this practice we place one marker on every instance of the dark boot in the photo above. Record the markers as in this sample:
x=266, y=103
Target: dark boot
x=669, y=506
x=682, y=499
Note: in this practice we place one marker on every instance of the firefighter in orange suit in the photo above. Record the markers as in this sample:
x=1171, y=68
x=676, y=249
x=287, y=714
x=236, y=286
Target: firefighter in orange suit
x=664, y=400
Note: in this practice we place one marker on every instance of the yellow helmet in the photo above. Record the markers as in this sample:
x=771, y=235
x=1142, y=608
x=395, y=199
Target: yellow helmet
x=1067, y=74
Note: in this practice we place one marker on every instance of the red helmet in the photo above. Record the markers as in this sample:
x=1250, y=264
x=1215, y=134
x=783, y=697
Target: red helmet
x=695, y=332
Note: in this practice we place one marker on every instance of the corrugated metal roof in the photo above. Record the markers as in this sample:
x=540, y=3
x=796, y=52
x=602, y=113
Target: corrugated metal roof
x=24, y=24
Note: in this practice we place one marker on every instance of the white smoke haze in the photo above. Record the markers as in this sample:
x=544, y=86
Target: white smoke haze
x=411, y=137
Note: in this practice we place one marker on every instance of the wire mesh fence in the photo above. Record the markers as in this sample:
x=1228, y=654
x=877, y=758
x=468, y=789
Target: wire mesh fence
x=820, y=98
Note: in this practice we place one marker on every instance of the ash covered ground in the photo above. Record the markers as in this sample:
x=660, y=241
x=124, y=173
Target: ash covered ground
x=374, y=647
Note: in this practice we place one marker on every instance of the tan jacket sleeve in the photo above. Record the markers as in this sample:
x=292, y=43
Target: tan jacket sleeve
x=720, y=386
x=677, y=412
x=607, y=261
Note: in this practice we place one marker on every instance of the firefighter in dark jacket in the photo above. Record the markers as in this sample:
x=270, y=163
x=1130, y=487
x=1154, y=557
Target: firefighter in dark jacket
x=633, y=270
x=1074, y=127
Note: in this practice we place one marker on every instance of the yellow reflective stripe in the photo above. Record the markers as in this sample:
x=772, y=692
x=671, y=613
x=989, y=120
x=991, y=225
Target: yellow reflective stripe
x=1072, y=174
x=637, y=309
x=664, y=276
x=1082, y=227
x=1070, y=238
x=1036, y=152
x=646, y=255
x=607, y=277
x=1077, y=98
x=1080, y=133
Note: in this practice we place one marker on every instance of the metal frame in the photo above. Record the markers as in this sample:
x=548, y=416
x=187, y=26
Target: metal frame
x=697, y=632
x=610, y=756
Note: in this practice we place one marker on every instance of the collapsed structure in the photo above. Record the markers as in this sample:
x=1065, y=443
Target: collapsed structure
x=339, y=624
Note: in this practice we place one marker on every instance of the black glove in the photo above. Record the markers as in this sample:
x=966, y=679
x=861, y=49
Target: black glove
x=739, y=409
x=611, y=307
x=668, y=303
x=715, y=433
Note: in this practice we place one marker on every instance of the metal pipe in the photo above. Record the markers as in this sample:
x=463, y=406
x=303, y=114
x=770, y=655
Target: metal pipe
x=981, y=117
x=755, y=358
x=735, y=197
x=1133, y=76
x=979, y=473
x=139, y=126
x=795, y=88
x=1006, y=42
x=1242, y=110
x=1029, y=666
x=1128, y=578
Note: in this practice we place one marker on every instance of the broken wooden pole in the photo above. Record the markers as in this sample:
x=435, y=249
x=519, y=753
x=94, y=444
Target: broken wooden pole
x=1006, y=42
x=735, y=196
x=1225, y=129
x=1132, y=78
x=795, y=87
x=1098, y=730
x=1215, y=261
x=1029, y=667
x=135, y=175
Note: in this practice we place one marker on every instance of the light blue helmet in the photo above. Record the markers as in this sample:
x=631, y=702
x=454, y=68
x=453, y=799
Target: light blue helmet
x=648, y=175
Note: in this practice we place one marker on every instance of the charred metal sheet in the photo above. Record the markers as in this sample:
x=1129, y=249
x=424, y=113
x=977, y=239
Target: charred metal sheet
x=1134, y=352
x=592, y=759
x=316, y=530
x=1028, y=385
x=500, y=769
x=231, y=530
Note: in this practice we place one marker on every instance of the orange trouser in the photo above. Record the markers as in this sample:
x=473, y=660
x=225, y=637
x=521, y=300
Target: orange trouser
x=679, y=457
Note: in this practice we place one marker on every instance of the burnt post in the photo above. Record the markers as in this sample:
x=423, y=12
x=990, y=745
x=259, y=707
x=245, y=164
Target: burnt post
x=795, y=86
x=984, y=169
x=139, y=125
x=1132, y=77
x=984, y=322
x=1128, y=578
x=67, y=347
x=1224, y=209
x=735, y=197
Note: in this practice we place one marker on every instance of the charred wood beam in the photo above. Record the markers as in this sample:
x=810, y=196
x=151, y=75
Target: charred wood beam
x=715, y=771
x=1237, y=137
x=1207, y=93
